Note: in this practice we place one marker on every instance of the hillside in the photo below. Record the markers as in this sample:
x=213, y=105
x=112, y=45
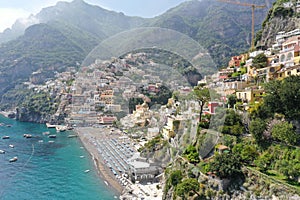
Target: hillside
x=224, y=29
x=69, y=31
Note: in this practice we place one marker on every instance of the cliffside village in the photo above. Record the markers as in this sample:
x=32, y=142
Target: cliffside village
x=98, y=95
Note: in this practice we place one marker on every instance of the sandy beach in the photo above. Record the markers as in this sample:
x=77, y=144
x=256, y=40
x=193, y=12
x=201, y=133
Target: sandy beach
x=88, y=135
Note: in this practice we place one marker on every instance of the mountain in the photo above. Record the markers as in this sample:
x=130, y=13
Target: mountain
x=95, y=20
x=62, y=35
x=223, y=29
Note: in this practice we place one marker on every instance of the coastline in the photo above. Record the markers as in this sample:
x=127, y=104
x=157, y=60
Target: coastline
x=102, y=169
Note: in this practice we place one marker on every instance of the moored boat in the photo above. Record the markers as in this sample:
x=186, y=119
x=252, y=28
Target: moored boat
x=5, y=137
x=60, y=128
x=71, y=136
x=11, y=146
x=14, y=159
x=27, y=136
x=52, y=136
x=2, y=151
x=50, y=125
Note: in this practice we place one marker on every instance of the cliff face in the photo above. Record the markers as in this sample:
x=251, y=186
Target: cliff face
x=276, y=25
x=281, y=17
x=25, y=115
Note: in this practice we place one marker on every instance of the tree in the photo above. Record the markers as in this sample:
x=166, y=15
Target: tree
x=285, y=132
x=257, y=128
x=260, y=61
x=232, y=100
x=284, y=97
x=187, y=186
x=233, y=124
x=247, y=152
x=202, y=96
x=191, y=154
x=226, y=165
x=176, y=177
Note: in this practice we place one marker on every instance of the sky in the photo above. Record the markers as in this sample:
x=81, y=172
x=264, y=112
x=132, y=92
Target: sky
x=11, y=10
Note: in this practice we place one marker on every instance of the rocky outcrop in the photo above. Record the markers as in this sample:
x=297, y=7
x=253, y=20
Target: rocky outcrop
x=274, y=26
x=25, y=115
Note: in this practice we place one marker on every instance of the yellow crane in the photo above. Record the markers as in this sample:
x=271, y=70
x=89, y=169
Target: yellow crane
x=253, y=6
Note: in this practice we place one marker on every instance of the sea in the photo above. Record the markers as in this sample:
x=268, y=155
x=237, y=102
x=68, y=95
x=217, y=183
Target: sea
x=61, y=169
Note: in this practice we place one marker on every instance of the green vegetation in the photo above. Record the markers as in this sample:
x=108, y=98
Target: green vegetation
x=186, y=187
x=202, y=95
x=285, y=132
x=233, y=124
x=260, y=61
x=41, y=103
x=191, y=154
x=226, y=165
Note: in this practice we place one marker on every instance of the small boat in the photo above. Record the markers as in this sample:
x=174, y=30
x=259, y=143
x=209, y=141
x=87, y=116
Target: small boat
x=51, y=141
x=8, y=125
x=52, y=136
x=81, y=156
x=71, y=136
x=50, y=125
x=86, y=171
x=11, y=146
x=60, y=128
x=27, y=136
x=41, y=141
x=46, y=133
x=5, y=137
x=2, y=151
x=14, y=159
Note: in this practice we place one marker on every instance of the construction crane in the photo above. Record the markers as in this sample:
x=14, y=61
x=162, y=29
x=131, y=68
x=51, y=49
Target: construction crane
x=253, y=6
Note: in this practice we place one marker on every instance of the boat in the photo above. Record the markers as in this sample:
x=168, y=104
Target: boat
x=51, y=141
x=11, y=146
x=60, y=128
x=5, y=137
x=86, y=171
x=27, y=136
x=14, y=159
x=2, y=151
x=71, y=136
x=50, y=125
x=46, y=133
x=52, y=136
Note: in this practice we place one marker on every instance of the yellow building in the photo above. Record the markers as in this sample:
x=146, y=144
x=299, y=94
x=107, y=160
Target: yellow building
x=289, y=71
x=250, y=95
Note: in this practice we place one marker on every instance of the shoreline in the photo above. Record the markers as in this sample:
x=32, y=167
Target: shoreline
x=103, y=171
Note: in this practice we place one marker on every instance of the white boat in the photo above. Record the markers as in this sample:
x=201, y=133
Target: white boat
x=52, y=136
x=2, y=151
x=27, y=136
x=46, y=133
x=51, y=141
x=60, y=128
x=86, y=171
x=71, y=136
x=14, y=159
x=11, y=146
x=50, y=125
x=5, y=137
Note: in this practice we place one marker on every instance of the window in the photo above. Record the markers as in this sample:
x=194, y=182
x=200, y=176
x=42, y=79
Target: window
x=289, y=56
x=282, y=58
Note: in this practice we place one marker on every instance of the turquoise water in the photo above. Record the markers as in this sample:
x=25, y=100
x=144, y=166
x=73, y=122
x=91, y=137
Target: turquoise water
x=46, y=170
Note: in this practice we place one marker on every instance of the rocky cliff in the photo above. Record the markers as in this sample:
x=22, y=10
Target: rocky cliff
x=280, y=18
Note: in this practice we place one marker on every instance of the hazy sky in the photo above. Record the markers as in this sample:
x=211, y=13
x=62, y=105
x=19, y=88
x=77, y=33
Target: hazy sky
x=10, y=10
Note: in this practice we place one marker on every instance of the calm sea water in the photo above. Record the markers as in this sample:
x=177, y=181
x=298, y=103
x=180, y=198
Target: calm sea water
x=46, y=170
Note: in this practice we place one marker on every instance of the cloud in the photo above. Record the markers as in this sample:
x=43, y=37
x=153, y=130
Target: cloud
x=10, y=15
